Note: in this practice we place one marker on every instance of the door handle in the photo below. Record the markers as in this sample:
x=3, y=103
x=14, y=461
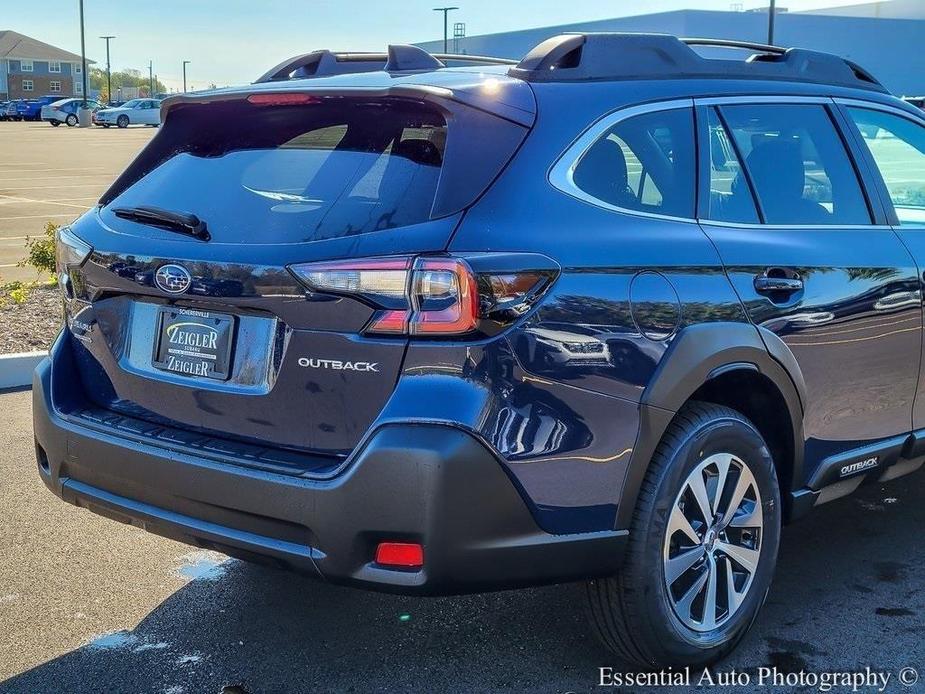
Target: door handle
x=777, y=285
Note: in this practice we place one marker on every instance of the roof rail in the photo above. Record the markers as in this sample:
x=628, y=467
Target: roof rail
x=477, y=59
x=399, y=58
x=616, y=56
x=732, y=43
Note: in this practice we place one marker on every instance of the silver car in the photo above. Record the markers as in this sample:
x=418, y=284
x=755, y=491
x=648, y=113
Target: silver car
x=134, y=112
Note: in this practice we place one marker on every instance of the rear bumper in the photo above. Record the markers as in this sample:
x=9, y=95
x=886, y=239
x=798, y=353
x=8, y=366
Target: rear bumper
x=427, y=483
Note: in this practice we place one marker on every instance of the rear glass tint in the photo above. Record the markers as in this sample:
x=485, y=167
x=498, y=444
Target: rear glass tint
x=289, y=174
x=644, y=163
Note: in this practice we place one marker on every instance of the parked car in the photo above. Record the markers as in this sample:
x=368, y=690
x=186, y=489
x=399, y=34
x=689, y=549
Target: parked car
x=65, y=111
x=16, y=109
x=29, y=109
x=134, y=112
x=3, y=106
x=614, y=313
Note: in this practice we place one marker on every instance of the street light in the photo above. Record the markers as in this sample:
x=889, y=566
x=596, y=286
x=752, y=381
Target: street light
x=445, y=11
x=185, y=63
x=83, y=58
x=108, y=70
x=771, y=12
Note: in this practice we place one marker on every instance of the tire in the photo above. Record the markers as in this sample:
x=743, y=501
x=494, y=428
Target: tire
x=71, y=120
x=122, y=121
x=55, y=123
x=635, y=613
x=105, y=125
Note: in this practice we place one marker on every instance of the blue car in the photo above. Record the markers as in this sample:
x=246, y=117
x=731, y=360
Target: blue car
x=613, y=313
x=29, y=109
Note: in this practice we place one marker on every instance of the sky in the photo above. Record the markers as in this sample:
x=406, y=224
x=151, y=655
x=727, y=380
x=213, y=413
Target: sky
x=234, y=41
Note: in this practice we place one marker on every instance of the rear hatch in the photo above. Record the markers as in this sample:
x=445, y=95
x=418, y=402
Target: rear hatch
x=188, y=314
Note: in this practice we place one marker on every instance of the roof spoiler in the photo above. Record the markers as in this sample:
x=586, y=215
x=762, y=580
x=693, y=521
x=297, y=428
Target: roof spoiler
x=398, y=58
x=614, y=55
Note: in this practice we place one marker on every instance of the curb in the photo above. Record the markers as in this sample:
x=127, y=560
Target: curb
x=16, y=369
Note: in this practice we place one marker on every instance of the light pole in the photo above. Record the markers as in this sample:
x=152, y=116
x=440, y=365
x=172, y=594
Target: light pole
x=108, y=69
x=445, y=11
x=83, y=57
x=771, y=13
x=185, y=63
x=151, y=78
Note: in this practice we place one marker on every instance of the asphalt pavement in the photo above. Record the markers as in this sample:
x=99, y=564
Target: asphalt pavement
x=89, y=605
x=50, y=174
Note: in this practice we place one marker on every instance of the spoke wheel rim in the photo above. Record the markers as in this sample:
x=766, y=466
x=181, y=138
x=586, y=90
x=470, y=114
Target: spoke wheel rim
x=712, y=543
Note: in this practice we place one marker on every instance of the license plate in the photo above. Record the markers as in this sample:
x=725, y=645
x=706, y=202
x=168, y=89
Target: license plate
x=194, y=343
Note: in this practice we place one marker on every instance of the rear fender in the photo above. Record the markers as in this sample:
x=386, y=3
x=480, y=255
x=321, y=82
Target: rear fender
x=698, y=354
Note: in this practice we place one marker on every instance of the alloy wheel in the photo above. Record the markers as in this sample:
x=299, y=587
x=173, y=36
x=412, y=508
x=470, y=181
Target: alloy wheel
x=712, y=543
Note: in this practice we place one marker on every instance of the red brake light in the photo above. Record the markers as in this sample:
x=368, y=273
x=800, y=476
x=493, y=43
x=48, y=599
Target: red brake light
x=445, y=297
x=292, y=99
x=402, y=555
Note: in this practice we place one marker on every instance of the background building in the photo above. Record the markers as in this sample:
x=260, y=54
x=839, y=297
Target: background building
x=31, y=68
x=887, y=38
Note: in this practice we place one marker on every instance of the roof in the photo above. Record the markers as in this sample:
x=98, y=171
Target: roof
x=16, y=45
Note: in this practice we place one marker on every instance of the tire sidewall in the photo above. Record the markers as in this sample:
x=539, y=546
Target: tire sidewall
x=71, y=120
x=123, y=121
x=723, y=435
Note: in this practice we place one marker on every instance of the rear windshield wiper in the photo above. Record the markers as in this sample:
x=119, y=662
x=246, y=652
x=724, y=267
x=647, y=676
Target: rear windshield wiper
x=179, y=222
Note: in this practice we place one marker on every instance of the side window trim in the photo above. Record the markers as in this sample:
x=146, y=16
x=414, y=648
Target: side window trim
x=890, y=216
x=878, y=195
x=855, y=155
x=756, y=199
x=561, y=174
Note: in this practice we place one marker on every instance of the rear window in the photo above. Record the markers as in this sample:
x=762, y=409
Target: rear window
x=287, y=174
x=644, y=163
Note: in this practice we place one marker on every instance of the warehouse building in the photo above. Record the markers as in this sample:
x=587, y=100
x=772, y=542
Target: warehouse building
x=887, y=38
x=31, y=68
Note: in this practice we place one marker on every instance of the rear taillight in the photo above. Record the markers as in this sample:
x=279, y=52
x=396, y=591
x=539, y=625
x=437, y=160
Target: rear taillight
x=432, y=296
x=70, y=253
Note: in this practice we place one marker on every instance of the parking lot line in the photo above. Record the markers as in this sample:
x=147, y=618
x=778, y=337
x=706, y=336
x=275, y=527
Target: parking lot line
x=55, y=178
x=63, y=185
x=12, y=198
x=34, y=216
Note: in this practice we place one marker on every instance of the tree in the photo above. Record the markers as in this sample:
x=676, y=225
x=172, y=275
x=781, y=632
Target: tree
x=122, y=78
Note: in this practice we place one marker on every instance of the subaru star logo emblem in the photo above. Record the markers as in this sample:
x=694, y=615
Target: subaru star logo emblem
x=173, y=279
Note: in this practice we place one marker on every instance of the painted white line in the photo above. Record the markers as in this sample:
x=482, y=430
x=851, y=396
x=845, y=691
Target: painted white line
x=43, y=202
x=63, y=185
x=34, y=216
x=53, y=178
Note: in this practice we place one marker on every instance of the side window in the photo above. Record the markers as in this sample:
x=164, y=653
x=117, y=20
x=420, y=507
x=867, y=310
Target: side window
x=797, y=164
x=897, y=145
x=730, y=196
x=644, y=163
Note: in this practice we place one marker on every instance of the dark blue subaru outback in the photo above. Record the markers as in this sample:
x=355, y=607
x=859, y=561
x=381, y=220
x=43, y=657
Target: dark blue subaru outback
x=613, y=313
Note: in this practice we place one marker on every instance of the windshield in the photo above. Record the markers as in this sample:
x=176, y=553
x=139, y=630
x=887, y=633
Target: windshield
x=288, y=174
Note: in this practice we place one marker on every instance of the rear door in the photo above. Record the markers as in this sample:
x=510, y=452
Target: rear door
x=149, y=112
x=893, y=140
x=814, y=262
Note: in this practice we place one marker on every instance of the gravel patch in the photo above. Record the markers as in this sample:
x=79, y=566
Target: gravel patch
x=31, y=325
